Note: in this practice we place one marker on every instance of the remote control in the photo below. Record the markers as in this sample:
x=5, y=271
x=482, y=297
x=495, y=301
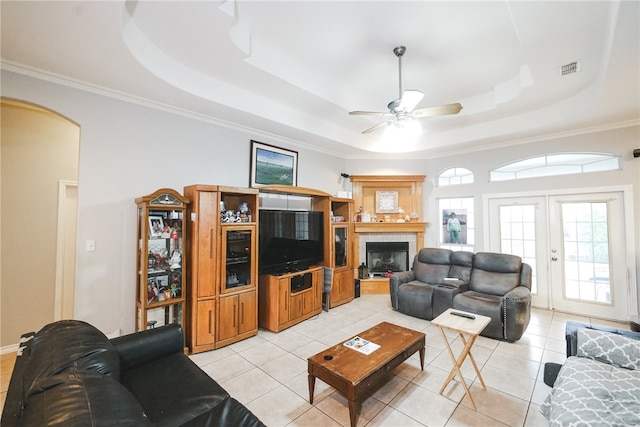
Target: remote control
x=467, y=315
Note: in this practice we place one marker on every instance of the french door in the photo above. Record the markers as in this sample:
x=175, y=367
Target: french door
x=578, y=245
x=518, y=226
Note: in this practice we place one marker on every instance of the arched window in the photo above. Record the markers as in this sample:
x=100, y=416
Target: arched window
x=455, y=176
x=556, y=164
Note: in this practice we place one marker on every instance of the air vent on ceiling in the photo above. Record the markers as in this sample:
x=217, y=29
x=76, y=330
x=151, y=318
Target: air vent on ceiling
x=570, y=68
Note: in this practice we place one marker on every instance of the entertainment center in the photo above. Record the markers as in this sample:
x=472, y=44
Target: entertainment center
x=290, y=298
x=235, y=259
x=318, y=227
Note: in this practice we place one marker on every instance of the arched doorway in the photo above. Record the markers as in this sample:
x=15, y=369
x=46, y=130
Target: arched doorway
x=39, y=169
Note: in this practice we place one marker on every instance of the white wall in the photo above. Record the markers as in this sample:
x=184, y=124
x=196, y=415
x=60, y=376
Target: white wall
x=127, y=151
x=619, y=141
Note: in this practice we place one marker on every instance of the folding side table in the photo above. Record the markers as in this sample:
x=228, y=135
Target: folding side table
x=468, y=328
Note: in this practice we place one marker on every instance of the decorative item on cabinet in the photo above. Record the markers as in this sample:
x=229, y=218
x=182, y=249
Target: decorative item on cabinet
x=363, y=271
x=160, y=279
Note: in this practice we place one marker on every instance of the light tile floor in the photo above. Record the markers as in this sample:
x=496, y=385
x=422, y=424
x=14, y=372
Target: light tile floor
x=268, y=373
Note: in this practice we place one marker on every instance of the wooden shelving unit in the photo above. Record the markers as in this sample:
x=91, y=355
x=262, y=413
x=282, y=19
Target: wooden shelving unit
x=223, y=274
x=160, y=282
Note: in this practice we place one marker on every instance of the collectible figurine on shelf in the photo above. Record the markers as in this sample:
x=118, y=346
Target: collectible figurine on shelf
x=245, y=212
x=176, y=258
x=358, y=217
x=166, y=232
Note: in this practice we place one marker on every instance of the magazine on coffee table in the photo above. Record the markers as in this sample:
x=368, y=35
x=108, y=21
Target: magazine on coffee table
x=362, y=345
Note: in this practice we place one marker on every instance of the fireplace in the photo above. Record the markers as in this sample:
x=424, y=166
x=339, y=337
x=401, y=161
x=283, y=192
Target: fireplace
x=387, y=256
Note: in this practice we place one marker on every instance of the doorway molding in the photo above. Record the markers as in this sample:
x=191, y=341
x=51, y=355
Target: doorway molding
x=65, y=251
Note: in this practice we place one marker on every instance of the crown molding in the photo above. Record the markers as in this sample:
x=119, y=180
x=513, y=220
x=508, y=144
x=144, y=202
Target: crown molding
x=61, y=80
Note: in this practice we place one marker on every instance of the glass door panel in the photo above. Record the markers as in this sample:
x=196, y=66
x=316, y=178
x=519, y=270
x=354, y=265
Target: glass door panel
x=237, y=258
x=518, y=226
x=588, y=262
x=340, y=246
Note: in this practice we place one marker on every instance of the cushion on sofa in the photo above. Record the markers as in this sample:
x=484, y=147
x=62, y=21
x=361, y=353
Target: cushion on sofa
x=485, y=305
x=494, y=273
x=461, y=263
x=230, y=413
x=76, y=398
x=189, y=393
x=69, y=345
x=609, y=348
x=416, y=299
x=431, y=265
x=591, y=393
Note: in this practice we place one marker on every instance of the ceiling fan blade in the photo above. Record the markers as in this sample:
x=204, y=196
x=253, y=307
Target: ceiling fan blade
x=368, y=113
x=371, y=129
x=438, y=111
x=409, y=100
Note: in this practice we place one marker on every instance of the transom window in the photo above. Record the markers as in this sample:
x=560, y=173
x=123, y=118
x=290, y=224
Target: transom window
x=556, y=164
x=455, y=176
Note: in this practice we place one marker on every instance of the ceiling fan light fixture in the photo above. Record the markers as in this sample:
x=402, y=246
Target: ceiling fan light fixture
x=403, y=130
x=402, y=110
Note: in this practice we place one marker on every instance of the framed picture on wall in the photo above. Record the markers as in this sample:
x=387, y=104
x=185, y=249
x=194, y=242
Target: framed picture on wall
x=454, y=226
x=386, y=201
x=272, y=165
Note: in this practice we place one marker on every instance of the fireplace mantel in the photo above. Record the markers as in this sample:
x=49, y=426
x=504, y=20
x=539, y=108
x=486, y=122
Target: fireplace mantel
x=390, y=227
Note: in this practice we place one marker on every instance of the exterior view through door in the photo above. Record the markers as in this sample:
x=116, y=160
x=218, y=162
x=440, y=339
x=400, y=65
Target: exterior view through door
x=576, y=246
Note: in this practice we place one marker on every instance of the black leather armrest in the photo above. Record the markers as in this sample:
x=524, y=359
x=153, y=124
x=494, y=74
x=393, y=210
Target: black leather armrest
x=141, y=347
x=14, y=405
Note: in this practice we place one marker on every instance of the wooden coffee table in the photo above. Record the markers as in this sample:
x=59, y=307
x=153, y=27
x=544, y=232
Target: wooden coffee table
x=355, y=374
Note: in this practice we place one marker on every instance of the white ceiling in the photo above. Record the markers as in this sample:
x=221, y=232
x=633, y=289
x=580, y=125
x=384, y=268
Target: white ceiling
x=294, y=69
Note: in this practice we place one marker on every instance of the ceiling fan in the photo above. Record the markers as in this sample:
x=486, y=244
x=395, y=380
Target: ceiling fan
x=401, y=110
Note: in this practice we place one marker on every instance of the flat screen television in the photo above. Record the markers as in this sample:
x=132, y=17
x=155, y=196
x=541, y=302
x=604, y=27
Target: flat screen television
x=289, y=241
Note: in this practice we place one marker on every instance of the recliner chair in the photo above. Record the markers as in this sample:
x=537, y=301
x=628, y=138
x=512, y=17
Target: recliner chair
x=500, y=288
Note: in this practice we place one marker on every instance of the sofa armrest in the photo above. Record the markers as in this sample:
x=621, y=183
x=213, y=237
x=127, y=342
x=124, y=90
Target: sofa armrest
x=142, y=347
x=14, y=403
x=395, y=281
x=517, y=312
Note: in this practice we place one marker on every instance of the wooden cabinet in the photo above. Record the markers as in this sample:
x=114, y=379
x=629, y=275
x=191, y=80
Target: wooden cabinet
x=341, y=251
x=289, y=299
x=222, y=298
x=205, y=325
x=238, y=317
x=160, y=282
x=343, y=287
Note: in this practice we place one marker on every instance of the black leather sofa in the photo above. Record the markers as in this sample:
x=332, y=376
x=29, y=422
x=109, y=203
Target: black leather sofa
x=70, y=374
x=487, y=283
